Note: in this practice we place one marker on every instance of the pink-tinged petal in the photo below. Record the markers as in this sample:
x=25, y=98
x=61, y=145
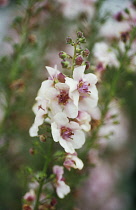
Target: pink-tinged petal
x=55, y=132
x=59, y=171
x=71, y=109
x=79, y=73
x=74, y=125
x=52, y=72
x=30, y=196
x=90, y=78
x=62, y=86
x=67, y=145
x=62, y=189
x=33, y=131
x=71, y=83
x=84, y=120
x=61, y=119
x=78, y=139
x=78, y=163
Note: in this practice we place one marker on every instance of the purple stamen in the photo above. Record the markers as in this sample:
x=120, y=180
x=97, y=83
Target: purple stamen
x=66, y=133
x=63, y=97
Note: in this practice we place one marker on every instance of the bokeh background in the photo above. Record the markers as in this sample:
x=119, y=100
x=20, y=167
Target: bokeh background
x=31, y=35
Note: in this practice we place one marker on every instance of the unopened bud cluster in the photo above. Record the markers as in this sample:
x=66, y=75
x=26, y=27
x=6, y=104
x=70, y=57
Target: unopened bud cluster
x=80, y=54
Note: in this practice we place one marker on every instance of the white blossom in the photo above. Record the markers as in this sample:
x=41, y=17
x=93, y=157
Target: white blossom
x=72, y=161
x=68, y=134
x=62, y=189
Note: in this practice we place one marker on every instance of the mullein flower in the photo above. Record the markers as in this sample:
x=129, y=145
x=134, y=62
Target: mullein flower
x=84, y=120
x=68, y=134
x=83, y=89
x=61, y=188
x=61, y=101
x=30, y=196
x=72, y=161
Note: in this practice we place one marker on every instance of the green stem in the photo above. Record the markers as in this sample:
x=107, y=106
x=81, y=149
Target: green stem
x=44, y=171
x=73, y=59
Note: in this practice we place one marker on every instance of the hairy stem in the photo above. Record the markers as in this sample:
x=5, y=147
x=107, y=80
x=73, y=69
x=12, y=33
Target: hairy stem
x=44, y=171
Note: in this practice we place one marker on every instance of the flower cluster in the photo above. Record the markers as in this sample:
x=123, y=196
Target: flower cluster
x=66, y=103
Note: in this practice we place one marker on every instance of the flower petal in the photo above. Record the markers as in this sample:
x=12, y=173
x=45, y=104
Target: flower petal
x=62, y=86
x=71, y=109
x=90, y=78
x=67, y=145
x=61, y=119
x=55, y=132
x=78, y=139
x=71, y=83
x=78, y=163
x=86, y=104
x=62, y=189
x=52, y=72
x=33, y=131
x=79, y=72
x=44, y=87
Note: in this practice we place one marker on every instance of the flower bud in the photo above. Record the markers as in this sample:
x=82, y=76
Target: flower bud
x=78, y=50
x=61, y=78
x=86, y=53
x=31, y=151
x=62, y=55
x=119, y=16
x=64, y=64
x=87, y=65
x=82, y=40
x=32, y=38
x=53, y=202
x=100, y=67
x=79, y=34
x=79, y=60
x=69, y=40
x=124, y=36
x=43, y=138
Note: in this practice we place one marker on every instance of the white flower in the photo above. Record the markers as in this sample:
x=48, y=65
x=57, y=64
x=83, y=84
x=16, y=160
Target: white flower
x=72, y=161
x=68, y=134
x=105, y=54
x=83, y=89
x=60, y=100
x=61, y=188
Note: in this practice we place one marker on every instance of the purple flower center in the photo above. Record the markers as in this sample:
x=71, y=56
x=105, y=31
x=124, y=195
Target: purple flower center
x=66, y=133
x=83, y=87
x=63, y=97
